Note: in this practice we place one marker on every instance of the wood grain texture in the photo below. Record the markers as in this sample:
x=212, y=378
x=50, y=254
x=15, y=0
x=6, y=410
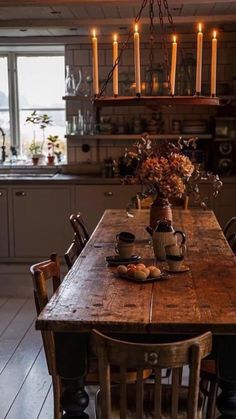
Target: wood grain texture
x=199, y=300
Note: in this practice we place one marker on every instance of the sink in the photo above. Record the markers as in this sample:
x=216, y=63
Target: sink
x=26, y=171
x=19, y=175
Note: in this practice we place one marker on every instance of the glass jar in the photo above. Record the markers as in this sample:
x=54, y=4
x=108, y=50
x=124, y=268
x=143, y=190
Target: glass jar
x=70, y=88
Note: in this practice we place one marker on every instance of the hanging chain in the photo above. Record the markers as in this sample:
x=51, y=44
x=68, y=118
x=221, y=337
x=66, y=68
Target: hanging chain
x=170, y=19
x=151, y=40
x=164, y=46
x=123, y=47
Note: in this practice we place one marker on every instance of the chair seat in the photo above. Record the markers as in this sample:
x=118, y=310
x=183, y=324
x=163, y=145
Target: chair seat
x=149, y=402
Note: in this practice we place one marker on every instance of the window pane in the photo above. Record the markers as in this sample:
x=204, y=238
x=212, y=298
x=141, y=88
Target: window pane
x=4, y=102
x=41, y=82
x=41, y=92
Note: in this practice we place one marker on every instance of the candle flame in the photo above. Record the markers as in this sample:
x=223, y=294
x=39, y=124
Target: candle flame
x=174, y=38
x=214, y=34
x=94, y=33
x=136, y=28
x=199, y=27
x=115, y=37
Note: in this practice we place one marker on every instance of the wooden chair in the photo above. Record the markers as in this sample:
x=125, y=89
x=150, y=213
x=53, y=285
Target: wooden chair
x=231, y=234
x=73, y=252
x=42, y=274
x=139, y=399
x=79, y=229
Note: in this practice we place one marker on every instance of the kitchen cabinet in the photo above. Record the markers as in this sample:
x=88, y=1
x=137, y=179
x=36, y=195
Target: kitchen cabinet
x=40, y=219
x=92, y=200
x=4, y=237
x=224, y=205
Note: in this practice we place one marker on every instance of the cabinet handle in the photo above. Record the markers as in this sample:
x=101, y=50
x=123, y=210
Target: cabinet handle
x=1, y=193
x=108, y=193
x=20, y=193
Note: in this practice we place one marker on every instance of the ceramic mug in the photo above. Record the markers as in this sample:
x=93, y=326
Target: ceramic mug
x=125, y=237
x=175, y=249
x=124, y=250
x=174, y=262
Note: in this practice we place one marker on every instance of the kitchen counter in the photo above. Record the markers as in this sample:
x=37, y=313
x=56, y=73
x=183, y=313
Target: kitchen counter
x=60, y=178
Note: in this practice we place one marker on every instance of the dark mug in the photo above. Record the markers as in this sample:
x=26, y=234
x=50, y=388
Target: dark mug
x=174, y=262
x=125, y=237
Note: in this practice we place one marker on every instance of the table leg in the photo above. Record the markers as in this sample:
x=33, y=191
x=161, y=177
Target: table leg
x=71, y=360
x=226, y=401
x=74, y=399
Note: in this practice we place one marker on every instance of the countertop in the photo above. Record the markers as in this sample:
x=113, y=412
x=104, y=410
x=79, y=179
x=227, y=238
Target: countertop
x=16, y=176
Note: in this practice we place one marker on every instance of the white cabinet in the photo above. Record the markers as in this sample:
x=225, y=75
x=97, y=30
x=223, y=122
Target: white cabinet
x=92, y=200
x=40, y=218
x=4, y=236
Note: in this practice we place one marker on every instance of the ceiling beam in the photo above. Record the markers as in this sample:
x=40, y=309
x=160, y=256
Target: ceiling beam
x=49, y=3
x=77, y=23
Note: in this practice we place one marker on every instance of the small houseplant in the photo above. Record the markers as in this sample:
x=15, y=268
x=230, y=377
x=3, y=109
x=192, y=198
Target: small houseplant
x=53, y=149
x=35, y=150
x=42, y=121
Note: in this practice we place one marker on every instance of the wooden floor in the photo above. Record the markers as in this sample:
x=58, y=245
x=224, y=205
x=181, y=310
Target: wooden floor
x=25, y=386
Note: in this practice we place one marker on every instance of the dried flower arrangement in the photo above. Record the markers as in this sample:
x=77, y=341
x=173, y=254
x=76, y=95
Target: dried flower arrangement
x=164, y=171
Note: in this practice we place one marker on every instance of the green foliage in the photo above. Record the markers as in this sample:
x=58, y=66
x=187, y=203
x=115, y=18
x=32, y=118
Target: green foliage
x=35, y=148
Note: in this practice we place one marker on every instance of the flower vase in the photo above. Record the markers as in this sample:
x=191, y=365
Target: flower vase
x=159, y=210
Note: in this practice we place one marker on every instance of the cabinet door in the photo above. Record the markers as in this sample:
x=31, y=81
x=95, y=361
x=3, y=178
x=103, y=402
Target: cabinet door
x=225, y=204
x=4, y=238
x=41, y=221
x=92, y=200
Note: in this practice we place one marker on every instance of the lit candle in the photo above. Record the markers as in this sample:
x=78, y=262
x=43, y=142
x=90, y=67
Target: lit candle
x=213, y=64
x=173, y=65
x=115, y=71
x=199, y=60
x=137, y=61
x=95, y=64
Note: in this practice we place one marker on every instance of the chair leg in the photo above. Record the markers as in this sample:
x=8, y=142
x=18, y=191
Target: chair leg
x=56, y=384
x=211, y=403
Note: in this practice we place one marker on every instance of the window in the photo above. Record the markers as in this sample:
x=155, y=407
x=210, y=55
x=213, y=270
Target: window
x=4, y=101
x=36, y=83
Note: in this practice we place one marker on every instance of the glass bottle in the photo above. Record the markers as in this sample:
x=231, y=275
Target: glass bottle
x=70, y=82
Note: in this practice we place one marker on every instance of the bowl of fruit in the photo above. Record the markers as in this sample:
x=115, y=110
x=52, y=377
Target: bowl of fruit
x=140, y=273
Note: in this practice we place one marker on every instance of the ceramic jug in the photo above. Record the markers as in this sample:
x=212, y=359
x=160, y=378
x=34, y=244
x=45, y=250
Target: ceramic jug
x=163, y=235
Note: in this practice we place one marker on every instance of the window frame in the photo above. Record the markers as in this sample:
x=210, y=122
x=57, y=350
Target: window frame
x=14, y=109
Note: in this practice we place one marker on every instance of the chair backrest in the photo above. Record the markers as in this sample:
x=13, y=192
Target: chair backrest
x=73, y=252
x=79, y=228
x=230, y=233
x=42, y=274
x=141, y=356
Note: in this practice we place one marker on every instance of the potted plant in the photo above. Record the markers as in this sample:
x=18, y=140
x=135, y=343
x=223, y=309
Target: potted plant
x=53, y=149
x=35, y=149
x=42, y=120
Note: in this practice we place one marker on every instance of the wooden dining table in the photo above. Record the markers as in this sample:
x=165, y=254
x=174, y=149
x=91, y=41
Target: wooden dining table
x=91, y=296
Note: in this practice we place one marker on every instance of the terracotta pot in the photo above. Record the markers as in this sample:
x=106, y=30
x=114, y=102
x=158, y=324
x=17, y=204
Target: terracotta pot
x=159, y=210
x=35, y=161
x=51, y=160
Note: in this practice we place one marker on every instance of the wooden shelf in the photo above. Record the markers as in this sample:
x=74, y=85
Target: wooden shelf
x=136, y=136
x=153, y=101
x=76, y=97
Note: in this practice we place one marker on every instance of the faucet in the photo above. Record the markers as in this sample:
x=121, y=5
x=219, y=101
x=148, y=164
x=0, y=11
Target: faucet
x=3, y=145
